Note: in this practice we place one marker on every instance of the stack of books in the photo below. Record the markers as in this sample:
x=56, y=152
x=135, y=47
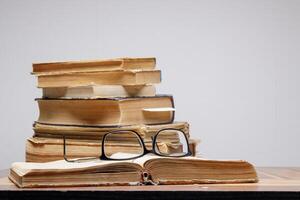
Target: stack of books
x=83, y=101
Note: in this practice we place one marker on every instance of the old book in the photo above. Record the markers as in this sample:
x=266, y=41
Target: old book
x=148, y=169
x=90, y=133
x=100, y=91
x=94, y=65
x=76, y=79
x=46, y=145
x=107, y=112
x=41, y=149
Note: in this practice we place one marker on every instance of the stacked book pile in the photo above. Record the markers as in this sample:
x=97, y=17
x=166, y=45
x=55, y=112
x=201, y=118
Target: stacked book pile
x=84, y=100
x=102, y=123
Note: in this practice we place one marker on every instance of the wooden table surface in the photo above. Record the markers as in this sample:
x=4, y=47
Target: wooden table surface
x=270, y=179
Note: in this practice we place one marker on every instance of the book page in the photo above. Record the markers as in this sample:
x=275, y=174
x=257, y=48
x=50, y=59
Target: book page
x=64, y=166
x=142, y=160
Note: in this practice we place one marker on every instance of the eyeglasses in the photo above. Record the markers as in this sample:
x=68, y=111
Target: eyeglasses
x=128, y=144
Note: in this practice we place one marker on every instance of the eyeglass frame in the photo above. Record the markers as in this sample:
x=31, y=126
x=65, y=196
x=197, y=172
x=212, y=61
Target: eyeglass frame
x=145, y=150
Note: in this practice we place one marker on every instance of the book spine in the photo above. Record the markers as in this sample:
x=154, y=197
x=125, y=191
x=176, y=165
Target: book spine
x=147, y=179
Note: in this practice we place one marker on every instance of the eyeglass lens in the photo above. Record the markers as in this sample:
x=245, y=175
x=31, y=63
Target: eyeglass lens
x=171, y=143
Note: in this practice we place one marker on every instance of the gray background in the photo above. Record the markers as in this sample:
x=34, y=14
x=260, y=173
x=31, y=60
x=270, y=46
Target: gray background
x=232, y=66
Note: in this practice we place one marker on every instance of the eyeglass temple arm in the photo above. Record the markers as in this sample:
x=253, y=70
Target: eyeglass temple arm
x=65, y=150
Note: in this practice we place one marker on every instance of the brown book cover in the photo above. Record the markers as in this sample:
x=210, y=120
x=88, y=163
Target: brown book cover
x=100, y=91
x=94, y=132
x=47, y=143
x=107, y=111
x=41, y=149
x=76, y=79
x=117, y=64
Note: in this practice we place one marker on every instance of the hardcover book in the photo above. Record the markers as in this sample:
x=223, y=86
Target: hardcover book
x=77, y=79
x=47, y=143
x=107, y=112
x=100, y=91
x=41, y=149
x=117, y=64
x=87, y=132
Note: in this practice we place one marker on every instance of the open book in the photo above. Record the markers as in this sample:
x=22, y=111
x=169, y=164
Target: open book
x=149, y=169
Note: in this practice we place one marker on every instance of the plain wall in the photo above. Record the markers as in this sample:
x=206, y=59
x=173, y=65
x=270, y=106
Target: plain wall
x=232, y=66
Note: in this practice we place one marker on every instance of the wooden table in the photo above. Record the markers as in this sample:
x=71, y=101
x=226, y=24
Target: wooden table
x=275, y=183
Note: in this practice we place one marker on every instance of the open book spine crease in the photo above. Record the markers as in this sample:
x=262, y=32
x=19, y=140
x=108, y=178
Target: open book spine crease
x=146, y=178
